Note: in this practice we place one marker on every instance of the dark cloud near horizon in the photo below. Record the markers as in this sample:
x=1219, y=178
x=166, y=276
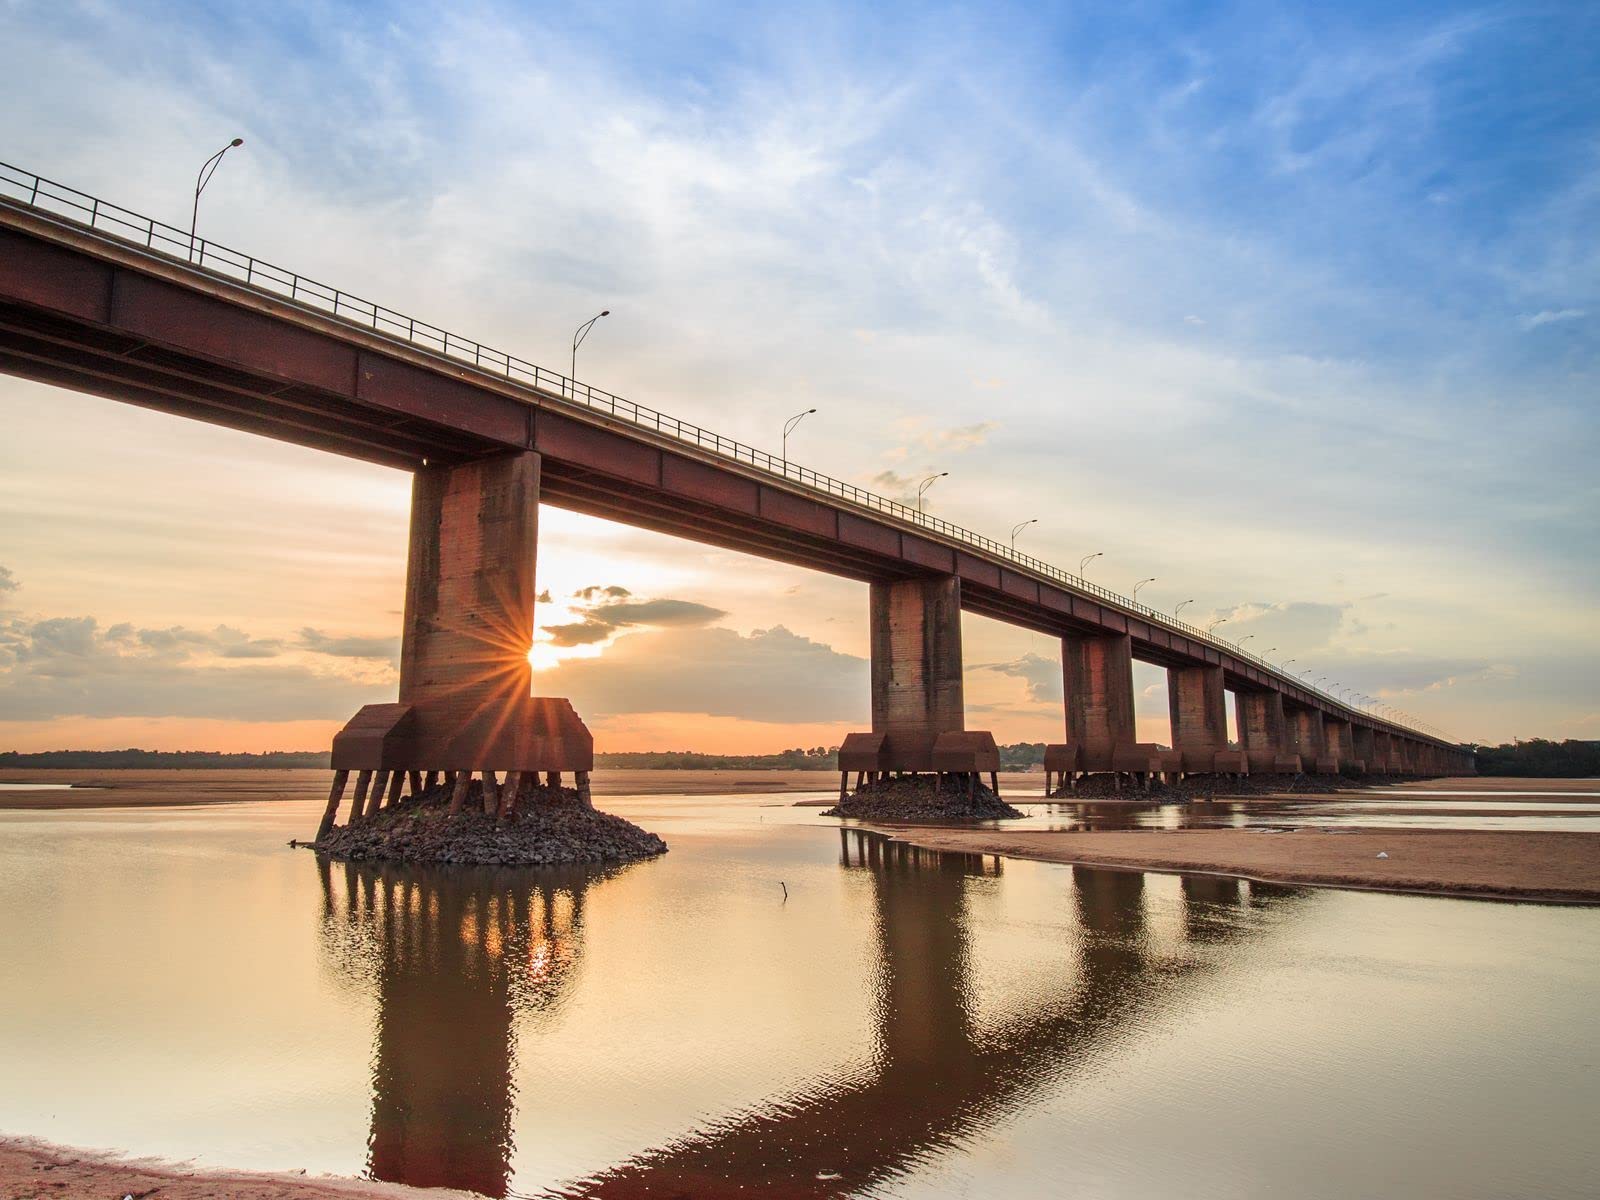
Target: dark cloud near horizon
x=601, y=620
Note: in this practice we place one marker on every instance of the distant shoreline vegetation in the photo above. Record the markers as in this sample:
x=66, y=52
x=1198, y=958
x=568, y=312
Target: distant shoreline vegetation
x=1019, y=757
x=1536, y=759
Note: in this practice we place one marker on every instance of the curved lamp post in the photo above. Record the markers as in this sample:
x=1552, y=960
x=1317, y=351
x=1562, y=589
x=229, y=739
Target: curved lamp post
x=206, y=172
x=788, y=428
x=1139, y=585
x=578, y=337
x=925, y=485
x=1018, y=528
x=1181, y=606
x=1214, y=624
x=1087, y=559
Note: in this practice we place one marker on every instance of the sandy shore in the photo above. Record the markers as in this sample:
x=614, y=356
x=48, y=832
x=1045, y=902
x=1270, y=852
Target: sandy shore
x=32, y=1169
x=1488, y=864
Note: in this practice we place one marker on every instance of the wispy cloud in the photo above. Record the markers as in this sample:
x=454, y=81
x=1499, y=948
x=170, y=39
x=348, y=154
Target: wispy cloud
x=1532, y=321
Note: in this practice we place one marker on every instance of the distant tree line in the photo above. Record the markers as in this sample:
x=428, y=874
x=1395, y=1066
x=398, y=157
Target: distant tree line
x=1020, y=757
x=1538, y=758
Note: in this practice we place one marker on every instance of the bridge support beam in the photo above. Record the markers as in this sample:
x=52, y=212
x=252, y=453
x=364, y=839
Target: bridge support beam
x=1340, y=747
x=466, y=702
x=1364, y=745
x=1097, y=680
x=1310, y=743
x=916, y=667
x=1264, y=734
x=918, y=714
x=1197, y=701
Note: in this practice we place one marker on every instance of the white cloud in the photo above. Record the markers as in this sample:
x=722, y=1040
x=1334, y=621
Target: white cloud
x=1532, y=321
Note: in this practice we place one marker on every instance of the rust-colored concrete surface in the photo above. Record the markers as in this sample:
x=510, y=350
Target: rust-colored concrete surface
x=30, y=1169
x=1492, y=864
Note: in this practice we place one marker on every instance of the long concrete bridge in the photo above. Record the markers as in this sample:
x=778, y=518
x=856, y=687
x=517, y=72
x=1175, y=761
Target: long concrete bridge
x=100, y=300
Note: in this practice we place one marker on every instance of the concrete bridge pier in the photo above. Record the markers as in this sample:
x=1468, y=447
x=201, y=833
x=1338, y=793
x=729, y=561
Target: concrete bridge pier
x=1197, y=701
x=1341, y=747
x=918, y=712
x=1264, y=733
x=1309, y=740
x=1364, y=743
x=466, y=704
x=1097, y=682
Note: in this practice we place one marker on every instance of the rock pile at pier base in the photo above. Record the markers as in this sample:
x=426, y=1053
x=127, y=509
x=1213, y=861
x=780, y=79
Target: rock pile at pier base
x=548, y=826
x=920, y=798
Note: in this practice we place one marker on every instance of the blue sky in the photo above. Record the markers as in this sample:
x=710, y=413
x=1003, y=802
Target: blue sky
x=1293, y=308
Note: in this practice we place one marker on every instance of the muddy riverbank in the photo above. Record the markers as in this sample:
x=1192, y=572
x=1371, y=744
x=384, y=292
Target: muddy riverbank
x=1489, y=864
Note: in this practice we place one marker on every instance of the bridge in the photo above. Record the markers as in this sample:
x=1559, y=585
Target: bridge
x=98, y=299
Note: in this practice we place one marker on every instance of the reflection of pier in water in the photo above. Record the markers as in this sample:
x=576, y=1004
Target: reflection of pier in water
x=936, y=1077
x=453, y=958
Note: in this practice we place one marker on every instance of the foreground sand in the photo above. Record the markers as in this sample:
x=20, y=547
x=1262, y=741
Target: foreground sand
x=30, y=1168
x=1491, y=864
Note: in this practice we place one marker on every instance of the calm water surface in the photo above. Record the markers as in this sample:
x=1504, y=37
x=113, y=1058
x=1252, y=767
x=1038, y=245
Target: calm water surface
x=180, y=983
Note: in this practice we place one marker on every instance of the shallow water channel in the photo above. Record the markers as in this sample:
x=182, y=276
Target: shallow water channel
x=180, y=983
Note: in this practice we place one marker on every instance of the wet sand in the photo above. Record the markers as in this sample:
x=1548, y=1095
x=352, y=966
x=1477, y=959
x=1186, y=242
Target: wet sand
x=1484, y=864
x=161, y=788
x=30, y=1168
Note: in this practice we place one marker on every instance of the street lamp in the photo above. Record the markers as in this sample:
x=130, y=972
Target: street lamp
x=1268, y=651
x=788, y=428
x=1240, y=643
x=1284, y=666
x=1180, y=607
x=1018, y=528
x=578, y=337
x=1139, y=585
x=925, y=485
x=1214, y=624
x=1087, y=559
x=206, y=172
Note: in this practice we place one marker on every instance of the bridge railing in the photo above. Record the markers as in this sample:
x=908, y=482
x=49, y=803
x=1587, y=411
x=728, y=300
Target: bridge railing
x=206, y=255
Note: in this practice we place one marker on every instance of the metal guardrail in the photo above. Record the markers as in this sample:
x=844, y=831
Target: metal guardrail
x=173, y=243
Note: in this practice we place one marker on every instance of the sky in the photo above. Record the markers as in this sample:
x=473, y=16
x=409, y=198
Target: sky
x=1294, y=308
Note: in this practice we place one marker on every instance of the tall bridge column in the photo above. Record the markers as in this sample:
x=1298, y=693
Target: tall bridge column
x=1097, y=678
x=1383, y=740
x=1097, y=682
x=1340, y=748
x=1305, y=731
x=1197, y=701
x=1263, y=733
x=916, y=666
x=918, y=717
x=466, y=701
x=1364, y=743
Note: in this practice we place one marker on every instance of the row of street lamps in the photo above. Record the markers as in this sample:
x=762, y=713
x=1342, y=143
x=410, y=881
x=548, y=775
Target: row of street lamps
x=582, y=332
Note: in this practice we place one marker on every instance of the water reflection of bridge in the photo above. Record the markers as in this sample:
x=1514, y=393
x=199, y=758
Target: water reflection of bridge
x=453, y=959
x=443, y=1070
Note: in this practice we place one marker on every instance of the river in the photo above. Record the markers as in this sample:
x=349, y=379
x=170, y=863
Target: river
x=780, y=1007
